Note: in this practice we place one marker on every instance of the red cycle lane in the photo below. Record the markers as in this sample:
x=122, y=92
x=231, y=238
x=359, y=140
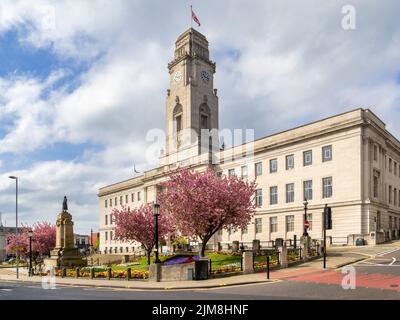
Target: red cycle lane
x=375, y=280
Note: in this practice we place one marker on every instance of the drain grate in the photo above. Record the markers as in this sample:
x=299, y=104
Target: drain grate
x=394, y=285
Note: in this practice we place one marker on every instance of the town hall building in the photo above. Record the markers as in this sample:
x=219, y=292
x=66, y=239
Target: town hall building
x=348, y=161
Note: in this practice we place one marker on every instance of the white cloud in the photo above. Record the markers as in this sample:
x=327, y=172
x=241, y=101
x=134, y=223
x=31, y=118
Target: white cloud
x=279, y=63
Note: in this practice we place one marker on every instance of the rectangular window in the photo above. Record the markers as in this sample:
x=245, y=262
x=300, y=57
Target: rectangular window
x=111, y=235
x=106, y=235
x=273, y=165
x=231, y=173
x=326, y=153
x=139, y=196
x=273, y=191
x=259, y=199
x=395, y=197
x=132, y=197
x=327, y=187
x=390, y=223
x=105, y=203
x=245, y=230
x=375, y=153
x=290, y=162
x=111, y=218
x=378, y=221
x=106, y=222
x=120, y=200
x=273, y=224
x=290, y=193
x=258, y=169
x=244, y=172
x=308, y=194
x=110, y=203
x=395, y=168
x=309, y=219
x=390, y=165
x=115, y=201
x=126, y=198
x=376, y=183
x=204, y=122
x=289, y=223
x=390, y=194
x=258, y=223
x=178, y=124
x=307, y=158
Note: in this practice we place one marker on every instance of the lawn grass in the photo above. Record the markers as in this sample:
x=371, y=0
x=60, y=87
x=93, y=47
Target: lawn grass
x=218, y=260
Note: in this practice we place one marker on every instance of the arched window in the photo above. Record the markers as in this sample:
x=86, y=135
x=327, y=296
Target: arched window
x=205, y=115
x=177, y=117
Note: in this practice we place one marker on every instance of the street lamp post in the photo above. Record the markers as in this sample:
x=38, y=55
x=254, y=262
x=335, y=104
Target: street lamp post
x=305, y=233
x=30, y=235
x=16, y=222
x=156, y=208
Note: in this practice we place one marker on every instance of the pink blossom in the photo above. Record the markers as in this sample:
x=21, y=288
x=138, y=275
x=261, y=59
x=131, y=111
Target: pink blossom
x=200, y=204
x=43, y=239
x=139, y=225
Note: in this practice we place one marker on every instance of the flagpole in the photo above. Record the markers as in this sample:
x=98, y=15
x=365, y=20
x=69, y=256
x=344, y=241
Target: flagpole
x=191, y=30
x=191, y=16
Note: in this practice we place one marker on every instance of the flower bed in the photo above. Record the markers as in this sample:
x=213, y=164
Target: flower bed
x=180, y=260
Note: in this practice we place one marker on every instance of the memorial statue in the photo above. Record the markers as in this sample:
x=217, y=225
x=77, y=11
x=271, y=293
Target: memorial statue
x=65, y=204
x=64, y=254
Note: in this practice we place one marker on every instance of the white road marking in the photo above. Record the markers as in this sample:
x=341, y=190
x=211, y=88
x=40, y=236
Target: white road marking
x=387, y=252
x=394, y=260
x=6, y=290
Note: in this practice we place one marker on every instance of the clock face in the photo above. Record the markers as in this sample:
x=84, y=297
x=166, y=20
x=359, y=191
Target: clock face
x=205, y=76
x=178, y=76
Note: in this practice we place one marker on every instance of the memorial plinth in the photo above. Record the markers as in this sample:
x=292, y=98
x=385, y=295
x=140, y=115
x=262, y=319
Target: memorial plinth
x=64, y=254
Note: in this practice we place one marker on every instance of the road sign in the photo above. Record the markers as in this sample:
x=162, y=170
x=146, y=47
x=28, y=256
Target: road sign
x=328, y=217
x=306, y=224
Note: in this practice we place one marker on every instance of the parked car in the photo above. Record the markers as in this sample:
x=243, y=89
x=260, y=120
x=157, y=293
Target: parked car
x=9, y=259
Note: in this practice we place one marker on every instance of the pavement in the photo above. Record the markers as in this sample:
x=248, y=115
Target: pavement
x=337, y=257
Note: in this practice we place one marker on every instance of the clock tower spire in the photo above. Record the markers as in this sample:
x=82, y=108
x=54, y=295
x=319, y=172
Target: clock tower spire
x=192, y=101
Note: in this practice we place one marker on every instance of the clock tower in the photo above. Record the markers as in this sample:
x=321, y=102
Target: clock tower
x=192, y=101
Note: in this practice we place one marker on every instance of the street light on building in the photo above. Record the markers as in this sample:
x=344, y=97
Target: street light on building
x=30, y=235
x=156, y=208
x=16, y=222
x=305, y=233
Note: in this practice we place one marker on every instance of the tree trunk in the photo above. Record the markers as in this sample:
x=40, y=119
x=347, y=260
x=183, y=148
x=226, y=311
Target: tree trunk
x=148, y=257
x=203, y=249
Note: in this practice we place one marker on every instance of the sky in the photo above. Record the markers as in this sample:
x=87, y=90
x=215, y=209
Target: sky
x=83, y=81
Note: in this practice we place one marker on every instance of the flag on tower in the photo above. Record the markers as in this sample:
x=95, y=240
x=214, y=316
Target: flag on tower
x=194, y=17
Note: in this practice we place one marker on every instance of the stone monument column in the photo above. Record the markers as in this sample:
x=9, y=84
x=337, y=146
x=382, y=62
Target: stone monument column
x=65, y=254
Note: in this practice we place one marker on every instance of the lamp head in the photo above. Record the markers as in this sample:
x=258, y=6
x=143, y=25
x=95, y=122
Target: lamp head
x=156, y=208
x=30, y=233
x=305, y=202
x=13, y=177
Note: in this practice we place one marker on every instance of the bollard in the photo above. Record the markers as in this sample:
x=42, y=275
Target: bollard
x=77, y=270
x=109, y=273
x=92, y=273
x=268, y=267
x=128, y=274
x=63, y=272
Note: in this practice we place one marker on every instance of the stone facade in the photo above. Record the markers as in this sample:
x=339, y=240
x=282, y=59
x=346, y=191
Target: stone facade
x=4, y=232
x=349, y=161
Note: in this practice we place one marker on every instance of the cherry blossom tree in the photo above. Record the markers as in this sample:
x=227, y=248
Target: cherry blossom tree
x=43, y=240
x=139, y=225
x=201, y=203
